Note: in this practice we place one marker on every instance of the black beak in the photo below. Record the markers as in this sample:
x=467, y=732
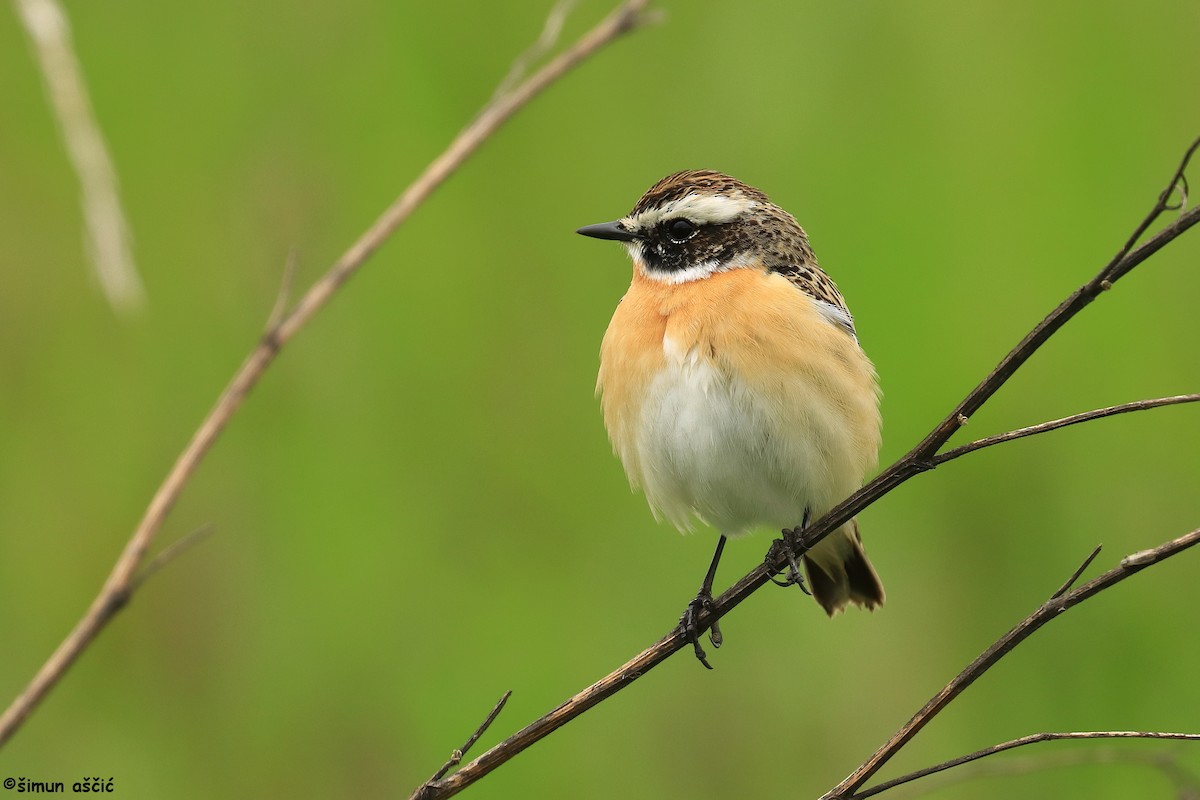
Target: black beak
x=607, y=230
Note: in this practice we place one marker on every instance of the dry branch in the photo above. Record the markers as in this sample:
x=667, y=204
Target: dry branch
x=118, y=587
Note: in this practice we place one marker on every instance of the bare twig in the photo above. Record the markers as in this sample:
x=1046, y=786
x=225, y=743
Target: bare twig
x=171, y=552
x=168, y=554
x=1069, y=582
x=1053, y=425
x=457, y=756
x=107, y=232
x=551, y=30
x=283, y=296
x=1034, y=738
x=1185, y=784
x=915, y=462
x=625, y=18
x=1178, y=184
x=539, y=729
x=1051, y=609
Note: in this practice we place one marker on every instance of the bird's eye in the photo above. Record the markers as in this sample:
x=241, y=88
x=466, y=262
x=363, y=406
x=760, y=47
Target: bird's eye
x=680, y=230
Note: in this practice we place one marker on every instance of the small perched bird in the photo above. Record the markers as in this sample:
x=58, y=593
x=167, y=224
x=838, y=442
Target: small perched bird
x=732, y=382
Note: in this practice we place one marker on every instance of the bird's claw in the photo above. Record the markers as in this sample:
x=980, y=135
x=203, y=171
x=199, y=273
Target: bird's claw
x=690, y=625
x=788, y=547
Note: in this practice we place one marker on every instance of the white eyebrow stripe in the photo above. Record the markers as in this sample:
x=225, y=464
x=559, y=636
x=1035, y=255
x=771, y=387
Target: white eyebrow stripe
x=710, y=209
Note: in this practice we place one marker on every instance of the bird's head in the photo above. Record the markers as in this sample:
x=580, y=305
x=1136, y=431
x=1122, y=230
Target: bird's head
x=692, y=224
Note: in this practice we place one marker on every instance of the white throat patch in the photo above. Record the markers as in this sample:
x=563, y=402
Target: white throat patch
x=692, y=273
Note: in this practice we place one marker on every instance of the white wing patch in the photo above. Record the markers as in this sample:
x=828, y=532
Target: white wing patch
x=838, y=316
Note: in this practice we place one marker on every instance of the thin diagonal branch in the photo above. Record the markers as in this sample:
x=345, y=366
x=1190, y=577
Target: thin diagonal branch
x=115, y=591
x=108, y=240
x=1033, y=738
x=1053, y=425
x=1051, y=609
x=1185, y=784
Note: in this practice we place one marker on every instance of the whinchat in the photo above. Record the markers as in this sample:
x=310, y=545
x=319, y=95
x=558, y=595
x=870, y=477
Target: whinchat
x=733, y=385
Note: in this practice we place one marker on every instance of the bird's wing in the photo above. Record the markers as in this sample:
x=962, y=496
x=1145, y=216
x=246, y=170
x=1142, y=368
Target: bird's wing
x=813, y=281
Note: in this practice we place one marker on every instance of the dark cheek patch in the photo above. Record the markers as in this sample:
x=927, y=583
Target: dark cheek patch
x=711, y=243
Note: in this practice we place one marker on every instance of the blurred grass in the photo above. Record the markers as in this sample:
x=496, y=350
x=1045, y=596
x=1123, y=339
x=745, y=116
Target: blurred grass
x=417, y=509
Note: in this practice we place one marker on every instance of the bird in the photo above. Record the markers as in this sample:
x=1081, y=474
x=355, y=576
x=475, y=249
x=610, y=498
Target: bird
x=732, y=383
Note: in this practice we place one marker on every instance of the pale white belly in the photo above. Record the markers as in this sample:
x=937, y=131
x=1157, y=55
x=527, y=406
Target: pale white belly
x=710, y=448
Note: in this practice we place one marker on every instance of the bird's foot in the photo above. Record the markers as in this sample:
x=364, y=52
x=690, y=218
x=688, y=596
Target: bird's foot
x=788, y=547
x=689, y=623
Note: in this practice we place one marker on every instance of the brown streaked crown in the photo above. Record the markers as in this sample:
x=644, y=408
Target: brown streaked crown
x=693, y=181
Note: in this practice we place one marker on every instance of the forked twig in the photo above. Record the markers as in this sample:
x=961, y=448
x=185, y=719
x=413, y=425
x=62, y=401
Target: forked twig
x=457, y=756
x=1051, y=609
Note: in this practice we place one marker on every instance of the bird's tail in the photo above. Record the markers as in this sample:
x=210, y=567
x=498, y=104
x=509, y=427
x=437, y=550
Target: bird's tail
x=840, y=573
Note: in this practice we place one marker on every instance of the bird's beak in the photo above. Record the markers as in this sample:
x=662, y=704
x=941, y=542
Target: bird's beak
x=607, y=230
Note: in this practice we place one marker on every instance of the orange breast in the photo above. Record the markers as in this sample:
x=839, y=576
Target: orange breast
x=762, y=339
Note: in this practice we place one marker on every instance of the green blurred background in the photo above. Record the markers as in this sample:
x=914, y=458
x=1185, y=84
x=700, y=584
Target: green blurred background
x=418, y=508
